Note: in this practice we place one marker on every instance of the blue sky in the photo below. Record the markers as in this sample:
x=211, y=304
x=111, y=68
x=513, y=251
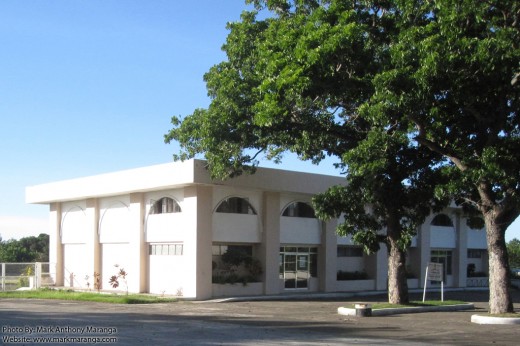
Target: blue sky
x=89, y=87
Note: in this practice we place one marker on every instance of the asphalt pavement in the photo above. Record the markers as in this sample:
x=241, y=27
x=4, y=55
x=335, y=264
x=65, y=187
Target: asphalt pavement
x=302, y=320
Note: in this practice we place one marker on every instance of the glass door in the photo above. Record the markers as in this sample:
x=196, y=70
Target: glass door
x=296, y=270
x=302, y=274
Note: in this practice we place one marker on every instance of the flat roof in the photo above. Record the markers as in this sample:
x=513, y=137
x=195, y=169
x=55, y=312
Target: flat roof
x=175, y=175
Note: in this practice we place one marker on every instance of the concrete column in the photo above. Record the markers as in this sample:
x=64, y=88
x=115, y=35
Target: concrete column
x=327, y=257
x=55, y=245
x=424, y=249
x=198, y=202
x=460, y=261
x=270, y=247
x=377, y=268
x=137, y=278
x=92, y=248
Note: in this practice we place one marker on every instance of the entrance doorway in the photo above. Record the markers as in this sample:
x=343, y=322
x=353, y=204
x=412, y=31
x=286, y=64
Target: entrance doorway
x=443, y=257
x=297, y=264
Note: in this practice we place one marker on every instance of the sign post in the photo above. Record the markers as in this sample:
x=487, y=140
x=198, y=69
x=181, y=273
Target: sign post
x=434, y=272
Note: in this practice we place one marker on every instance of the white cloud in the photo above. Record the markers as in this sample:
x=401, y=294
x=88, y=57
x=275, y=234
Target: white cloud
x=16, y=227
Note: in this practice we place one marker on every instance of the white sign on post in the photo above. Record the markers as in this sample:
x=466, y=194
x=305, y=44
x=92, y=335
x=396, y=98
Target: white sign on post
x=435, y=272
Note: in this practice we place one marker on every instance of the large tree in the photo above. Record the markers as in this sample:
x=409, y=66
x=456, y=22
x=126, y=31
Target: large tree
x=298, y=81
x=456, y=75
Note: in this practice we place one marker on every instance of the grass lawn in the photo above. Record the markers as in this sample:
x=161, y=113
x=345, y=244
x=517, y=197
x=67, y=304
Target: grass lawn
x=86, y=296
x=413, y=304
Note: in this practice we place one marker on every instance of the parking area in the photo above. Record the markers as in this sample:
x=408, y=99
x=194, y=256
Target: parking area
x=308, y=321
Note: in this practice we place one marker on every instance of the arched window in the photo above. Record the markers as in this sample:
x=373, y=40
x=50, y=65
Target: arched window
x=299, y=209
x=165, y=205
x=442, y=220
x=235, y=205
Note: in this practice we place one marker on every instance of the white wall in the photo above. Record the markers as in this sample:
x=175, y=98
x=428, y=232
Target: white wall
x=113, y=254
x=114, y=223
x=345, y=240
x=254, y=197
x=74, y=266
x=477, y=239
x=73, y=231
x=241, y=228
x=442, y=237
x=165, y=227
x=168, y=227
x=237, y=228
x=167, y=274
x=73, y=223
x=296, y=230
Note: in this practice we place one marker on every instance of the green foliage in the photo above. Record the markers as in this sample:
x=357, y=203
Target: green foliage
x=237, y=267
x=343, y=275
x=513, y=250
x=412, y=304
x=455, y=75
x=417, y=100
x=28, y=249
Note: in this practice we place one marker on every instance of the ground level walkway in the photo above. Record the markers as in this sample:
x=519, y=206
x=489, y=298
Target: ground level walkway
x=272, y=322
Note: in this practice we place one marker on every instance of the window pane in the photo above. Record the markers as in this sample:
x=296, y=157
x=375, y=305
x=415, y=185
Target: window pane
x=299, y=209
x=244, y=249
x=442, y=220
x=235, y=205
x=165, y=205
x=313, y=265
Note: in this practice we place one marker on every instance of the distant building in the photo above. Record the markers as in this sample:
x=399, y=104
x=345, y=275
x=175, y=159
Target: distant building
x=176, y=231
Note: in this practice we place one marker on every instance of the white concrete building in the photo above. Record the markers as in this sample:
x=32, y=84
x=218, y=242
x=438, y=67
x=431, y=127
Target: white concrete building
x=176, y=231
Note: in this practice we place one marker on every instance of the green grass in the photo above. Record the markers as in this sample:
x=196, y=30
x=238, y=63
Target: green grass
x=85, y=296
x=413, y=304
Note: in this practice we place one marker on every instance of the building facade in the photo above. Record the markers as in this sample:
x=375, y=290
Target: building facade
x=175, y=231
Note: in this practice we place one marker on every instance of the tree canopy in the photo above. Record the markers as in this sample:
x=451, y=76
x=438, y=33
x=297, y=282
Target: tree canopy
x=416, y=99
x=27, y=249
x=455, y=75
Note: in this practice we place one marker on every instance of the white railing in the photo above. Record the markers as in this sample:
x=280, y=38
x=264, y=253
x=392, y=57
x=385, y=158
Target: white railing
x=27, y=275
x=477, y=282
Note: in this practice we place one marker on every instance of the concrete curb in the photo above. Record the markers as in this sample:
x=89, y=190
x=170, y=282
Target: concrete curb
x=325, y=295
x=410, y=310
x=480, y=319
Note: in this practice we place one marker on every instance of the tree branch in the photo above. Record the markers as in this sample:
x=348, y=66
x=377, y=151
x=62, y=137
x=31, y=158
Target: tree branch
x=421, y=139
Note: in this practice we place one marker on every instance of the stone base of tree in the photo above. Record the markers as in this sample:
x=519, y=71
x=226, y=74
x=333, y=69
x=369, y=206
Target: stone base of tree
x=410, y=310
x=484, y=319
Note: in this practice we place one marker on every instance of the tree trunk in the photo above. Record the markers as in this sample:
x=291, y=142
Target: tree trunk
x=500, y=300
x=397, y=282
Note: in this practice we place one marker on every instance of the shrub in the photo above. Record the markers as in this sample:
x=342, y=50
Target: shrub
x=343, y=275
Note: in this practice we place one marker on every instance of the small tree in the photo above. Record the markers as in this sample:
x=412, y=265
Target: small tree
x=513, y=250
x=121, y=275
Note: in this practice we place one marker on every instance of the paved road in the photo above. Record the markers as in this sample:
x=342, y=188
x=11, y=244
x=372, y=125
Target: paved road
x=284, y=322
